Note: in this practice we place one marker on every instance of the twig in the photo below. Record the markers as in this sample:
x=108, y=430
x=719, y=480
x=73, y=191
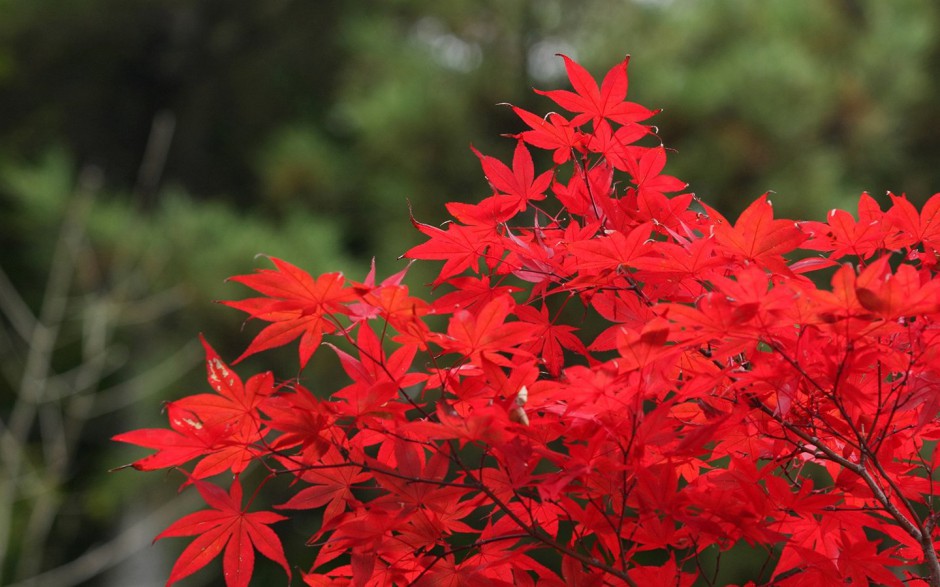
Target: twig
x=41, y=344
x=154, y=159
x=108, y=555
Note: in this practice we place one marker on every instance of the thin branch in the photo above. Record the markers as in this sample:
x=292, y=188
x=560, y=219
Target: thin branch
x=113, y=552
x=41, y=343
x=15, y=309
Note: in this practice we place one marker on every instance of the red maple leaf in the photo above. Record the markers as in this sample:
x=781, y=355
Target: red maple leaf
x=613, y=252
x=331, y=483
x=486, y=216
x=519, y=183
x=550, y=337
x=583, y=191
x=296, y=304
x=377, y=379
x=485, y=336
x=553, y=133
x=187, y=439
x=301, y=419
x=647, y=169
x=687, y=262
x=756, y=236
x=923, y=228
x=593, y=103
x=860, y=561
x=639, y=349
x=225, y=526
x=614, y=145
x=899, y=294
x=843, y=235
x=222, y=427
x=234, y=404
x=459, y=247
x=470, y=292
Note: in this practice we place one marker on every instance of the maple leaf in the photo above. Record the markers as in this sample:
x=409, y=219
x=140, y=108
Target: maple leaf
x=822, y=536
x=582, y=197
x=715, y=318
x=553, y=133
x=235, y=403
x=225, y=526
x=593, y=103
x=487, y=216
x=331, y=482
x=670, y=213
x=187, y=439
x=898, y=294
x=613, y=144
x=756, y=236
x=614, y=252
x=518, y=184
x=487, y=424
x=301, y=419
x=841, y=302
x=532, y=259
x=922, y=228
x=483, y=337
x=841, y=235
x=222, y=427
x=689, y=264
x=390, y=299
x=470, y=292
x=647, y=174
x=639, y=349
x=550, y=337
x=377, y=379
x=668, y=574
x=815, y=570
x=296, y=304
x=860, y=561
x=459, y=247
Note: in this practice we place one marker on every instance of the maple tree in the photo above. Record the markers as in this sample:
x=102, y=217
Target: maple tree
x=494, y=435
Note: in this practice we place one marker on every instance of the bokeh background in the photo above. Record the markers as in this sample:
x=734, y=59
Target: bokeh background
x=149, y=149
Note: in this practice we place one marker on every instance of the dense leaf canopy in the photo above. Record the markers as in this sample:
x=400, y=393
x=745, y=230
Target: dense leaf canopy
x=730, y=401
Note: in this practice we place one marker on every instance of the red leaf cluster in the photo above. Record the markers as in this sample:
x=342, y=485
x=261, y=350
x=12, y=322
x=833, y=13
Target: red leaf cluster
x=624, y=383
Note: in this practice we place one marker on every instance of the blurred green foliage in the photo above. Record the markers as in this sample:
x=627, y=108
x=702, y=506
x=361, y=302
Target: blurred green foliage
x=306, y=130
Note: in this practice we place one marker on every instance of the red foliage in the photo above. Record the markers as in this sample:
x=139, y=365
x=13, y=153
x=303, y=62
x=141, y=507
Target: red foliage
x=727, y=400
